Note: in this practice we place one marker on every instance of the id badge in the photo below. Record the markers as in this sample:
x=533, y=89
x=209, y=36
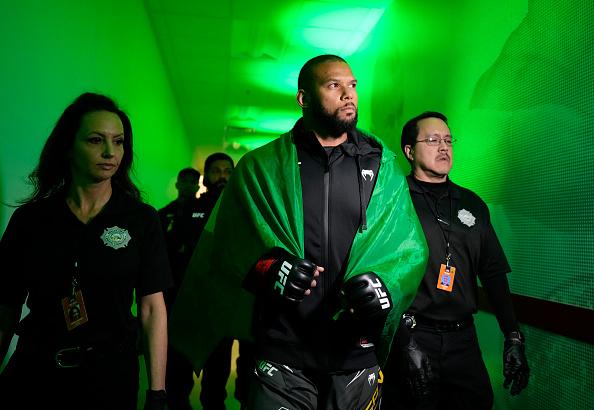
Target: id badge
x=75, y=312
x=446, y=278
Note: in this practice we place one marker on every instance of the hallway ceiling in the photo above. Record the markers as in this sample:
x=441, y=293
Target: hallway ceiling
x=233, y=64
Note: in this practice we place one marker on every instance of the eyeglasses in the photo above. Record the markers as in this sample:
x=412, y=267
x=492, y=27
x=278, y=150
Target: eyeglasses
x=435, y=141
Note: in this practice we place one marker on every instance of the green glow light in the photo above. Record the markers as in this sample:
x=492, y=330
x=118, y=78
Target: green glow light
x=249, y=142
x=271, y=77
x=330, y=27
x=258, y=120
x=318, y=28
x=327, y=31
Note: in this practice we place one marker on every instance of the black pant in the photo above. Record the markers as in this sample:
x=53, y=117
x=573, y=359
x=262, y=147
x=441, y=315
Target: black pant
x=179, y=380
x=246, y=362
x=276, y=387
x=216, y=373
x=460, y=380
x=101, y=381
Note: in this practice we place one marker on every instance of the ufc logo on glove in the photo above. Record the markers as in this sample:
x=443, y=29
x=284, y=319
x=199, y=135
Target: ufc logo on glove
x=282, y=276
x=383, y=296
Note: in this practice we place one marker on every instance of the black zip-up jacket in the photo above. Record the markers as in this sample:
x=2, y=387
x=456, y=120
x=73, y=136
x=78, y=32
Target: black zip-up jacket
x=337, y=183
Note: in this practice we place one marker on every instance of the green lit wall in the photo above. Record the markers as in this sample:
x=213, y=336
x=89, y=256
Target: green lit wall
x=516, y=79
x=53, y=51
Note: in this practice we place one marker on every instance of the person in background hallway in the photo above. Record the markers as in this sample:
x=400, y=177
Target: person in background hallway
x=303, y=256
x=182, y=221
x=217, y=170
x=440, y=364
x=81, y=247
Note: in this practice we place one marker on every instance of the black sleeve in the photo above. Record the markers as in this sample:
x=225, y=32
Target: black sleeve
x=492, y=258
x=162, y=218
x=497, y=289
x=12, y=247
x=155, y=268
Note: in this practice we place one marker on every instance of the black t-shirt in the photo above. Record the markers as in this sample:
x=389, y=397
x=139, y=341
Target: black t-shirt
x=182, y=223
x=448, y=211
x=118, y=253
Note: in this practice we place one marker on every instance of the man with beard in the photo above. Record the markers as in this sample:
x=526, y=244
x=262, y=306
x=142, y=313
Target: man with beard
x=217, y=171
x=325, y=254
x=439, y=364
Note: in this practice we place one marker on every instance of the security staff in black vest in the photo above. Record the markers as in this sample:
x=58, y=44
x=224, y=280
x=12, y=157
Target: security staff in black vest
x=436, y=361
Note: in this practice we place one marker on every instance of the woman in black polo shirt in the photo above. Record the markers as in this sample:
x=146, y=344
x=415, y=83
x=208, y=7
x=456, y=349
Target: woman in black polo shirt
x=80, y=248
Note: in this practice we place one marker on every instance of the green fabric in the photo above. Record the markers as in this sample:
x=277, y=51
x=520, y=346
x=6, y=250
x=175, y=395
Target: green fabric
x=261, y=208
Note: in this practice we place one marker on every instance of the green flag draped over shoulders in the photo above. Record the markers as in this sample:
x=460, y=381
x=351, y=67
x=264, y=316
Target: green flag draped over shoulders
x=262, y=208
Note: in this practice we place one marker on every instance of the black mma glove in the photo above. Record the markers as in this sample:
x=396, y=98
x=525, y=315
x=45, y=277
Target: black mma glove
x=283, y=274
x=515, y=365
x=366, y=299
x=419, y=374
x=155, y=400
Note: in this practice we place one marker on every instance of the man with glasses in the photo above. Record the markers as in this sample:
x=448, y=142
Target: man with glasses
x=436, y=361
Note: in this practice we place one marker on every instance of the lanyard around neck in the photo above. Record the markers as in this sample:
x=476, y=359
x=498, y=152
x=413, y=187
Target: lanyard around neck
x=440, y=221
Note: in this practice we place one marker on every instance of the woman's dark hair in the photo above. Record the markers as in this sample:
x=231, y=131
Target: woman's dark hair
x=52, y=173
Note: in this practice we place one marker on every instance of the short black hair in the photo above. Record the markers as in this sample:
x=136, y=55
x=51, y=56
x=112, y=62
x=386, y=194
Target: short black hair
x=411, y=128
x=216, y=157
x=305, y=79
x=188, y=172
